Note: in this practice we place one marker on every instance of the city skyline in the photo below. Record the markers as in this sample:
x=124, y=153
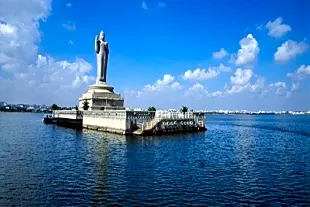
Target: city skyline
x=205, y=55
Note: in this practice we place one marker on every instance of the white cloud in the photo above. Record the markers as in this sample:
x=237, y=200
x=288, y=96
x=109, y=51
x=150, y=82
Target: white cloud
x=144, y=5
x=47, y=81
x=277, y=29
x=220, y=54
x=167, y=79
x=241, y=82
x=166, y=87
x=200, y=74
x=68, y=5
x=216, y=94
x=69, y=26
x=29, y=76
x=203, y=74
x=289, y=50
x=248, y=52
x=19, y=32
x=176, y=85
x=222, y=68
x=241, y=77
x=6, y=29
x=302, y=72
x=280, y=87
x=196, y=87
x=197, y=90
x=162, y=84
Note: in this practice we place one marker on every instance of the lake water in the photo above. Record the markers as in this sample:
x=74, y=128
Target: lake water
x=240, y=160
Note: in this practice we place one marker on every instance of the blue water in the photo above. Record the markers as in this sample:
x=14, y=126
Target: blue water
x=240, y=160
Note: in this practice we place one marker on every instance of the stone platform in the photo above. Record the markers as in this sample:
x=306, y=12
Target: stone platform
x=130, y=122
x=101, y=96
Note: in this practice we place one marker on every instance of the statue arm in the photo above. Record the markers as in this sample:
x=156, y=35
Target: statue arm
x=96, y=44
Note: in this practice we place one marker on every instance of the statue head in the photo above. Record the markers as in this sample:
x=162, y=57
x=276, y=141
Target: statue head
x=102, y=35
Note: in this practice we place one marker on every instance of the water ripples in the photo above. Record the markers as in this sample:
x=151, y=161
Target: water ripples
x=238, y=161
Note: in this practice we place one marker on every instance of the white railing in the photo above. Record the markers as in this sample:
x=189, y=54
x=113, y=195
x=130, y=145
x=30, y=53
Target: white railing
x=161, y=115
x=174, y=115
x=68, y=114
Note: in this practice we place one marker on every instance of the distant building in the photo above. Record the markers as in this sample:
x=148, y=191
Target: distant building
x=2, y=104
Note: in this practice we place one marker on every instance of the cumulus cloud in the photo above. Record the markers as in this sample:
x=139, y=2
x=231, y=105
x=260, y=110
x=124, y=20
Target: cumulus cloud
x=69, y=26
x=50, y=80
x=220, y=54
x=166, y=84
x=277, y=28
x=241, y=77
x=247, y=54
x=200, y=74
x=6, y=29
x=176, y=85
x=302, y=72
x=203, y=74
x=289, y=50
x=19, y=32
x=241, y=82
x=198, y=91
x=216, y=94
x=161, y=84
x=280, y=87
x=32, y=77
x=196, y=88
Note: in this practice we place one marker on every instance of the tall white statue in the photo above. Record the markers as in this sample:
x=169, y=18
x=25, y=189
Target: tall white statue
x=102, y=52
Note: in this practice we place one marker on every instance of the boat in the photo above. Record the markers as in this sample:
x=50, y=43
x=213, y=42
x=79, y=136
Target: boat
x=49, y=119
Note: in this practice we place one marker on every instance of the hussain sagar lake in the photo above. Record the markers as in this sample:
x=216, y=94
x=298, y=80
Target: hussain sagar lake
x=106, y=112
x=242, y=160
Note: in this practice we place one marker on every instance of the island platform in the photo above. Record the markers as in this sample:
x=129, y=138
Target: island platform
x=128, y=122
x=100, y=108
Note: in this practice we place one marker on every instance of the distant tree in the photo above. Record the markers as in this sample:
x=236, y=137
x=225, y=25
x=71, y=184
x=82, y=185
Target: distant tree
x=184, y=109
x=76, y=108
x=85, y=105
x=151, y=108
x=54, y=107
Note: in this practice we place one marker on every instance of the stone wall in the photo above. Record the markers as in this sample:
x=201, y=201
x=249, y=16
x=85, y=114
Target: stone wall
x=111, y=121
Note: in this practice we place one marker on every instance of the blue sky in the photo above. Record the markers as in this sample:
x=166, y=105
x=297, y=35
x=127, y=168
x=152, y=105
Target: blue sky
x=162, y=53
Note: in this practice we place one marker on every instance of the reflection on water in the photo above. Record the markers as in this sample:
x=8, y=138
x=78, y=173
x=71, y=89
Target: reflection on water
x=248, y=160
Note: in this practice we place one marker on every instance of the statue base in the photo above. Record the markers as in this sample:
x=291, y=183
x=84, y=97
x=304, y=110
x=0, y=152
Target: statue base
x=101, y=96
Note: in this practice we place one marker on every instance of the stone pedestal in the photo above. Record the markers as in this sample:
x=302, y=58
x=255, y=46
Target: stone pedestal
x=101, y=96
